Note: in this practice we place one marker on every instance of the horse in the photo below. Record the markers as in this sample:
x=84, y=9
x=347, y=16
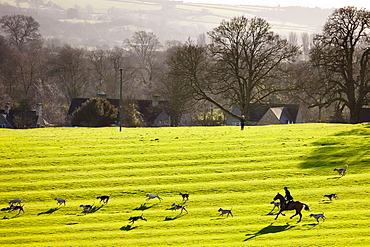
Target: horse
x=295, y=205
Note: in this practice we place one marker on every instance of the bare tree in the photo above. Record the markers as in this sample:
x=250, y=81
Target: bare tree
x=8, y=69
x=119, y=59
x=293, y=38
x=306, y=43
x=312, y=86
x=144, y=47
x=71, y=68
x=248, y=58
x=344, y=49
x=98, y=59
x=20, y=29
x=23, y=58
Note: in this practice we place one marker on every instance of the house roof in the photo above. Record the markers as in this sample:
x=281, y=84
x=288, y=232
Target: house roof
x=29, y=119
x=145, y=107
x=289, y=111
x=269, y=114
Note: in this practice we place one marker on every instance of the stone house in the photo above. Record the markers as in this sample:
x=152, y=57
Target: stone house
x=269, y=114
x=31, y=119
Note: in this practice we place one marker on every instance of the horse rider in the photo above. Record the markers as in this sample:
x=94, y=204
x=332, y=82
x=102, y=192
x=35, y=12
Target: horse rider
x=288, y=197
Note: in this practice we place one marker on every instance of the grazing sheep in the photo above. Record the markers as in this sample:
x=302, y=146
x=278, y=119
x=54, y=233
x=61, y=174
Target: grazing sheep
x=60, y=201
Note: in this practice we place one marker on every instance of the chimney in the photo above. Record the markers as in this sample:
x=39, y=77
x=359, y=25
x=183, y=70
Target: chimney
x=155, y=100
x=101, y=94
x=39, y=109
x=7, y=108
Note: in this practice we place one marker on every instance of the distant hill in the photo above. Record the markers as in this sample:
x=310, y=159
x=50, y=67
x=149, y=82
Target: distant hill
x=108, y=23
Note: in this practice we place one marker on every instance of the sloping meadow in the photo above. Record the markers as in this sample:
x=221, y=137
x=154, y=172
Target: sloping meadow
x=220, y=167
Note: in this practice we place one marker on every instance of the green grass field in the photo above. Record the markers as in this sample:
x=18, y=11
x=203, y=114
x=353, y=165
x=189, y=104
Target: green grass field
x=218, y=166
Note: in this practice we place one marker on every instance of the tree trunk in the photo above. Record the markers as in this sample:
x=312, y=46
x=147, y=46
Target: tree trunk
x=355, y=114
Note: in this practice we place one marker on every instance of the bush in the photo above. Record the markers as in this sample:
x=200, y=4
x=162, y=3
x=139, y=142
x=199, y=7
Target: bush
x=95, y=112
x=131, y=116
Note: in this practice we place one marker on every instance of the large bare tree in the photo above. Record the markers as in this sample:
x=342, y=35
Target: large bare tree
x=20, y=29
x=240, y=68
x=344, y=49
x=312, y=86
x=70, y=67
x=143, y=48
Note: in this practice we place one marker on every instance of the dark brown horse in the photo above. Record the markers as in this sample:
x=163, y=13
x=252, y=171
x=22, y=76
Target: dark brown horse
x=297, y=206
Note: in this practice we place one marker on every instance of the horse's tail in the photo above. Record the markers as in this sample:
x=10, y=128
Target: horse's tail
x=306, y=207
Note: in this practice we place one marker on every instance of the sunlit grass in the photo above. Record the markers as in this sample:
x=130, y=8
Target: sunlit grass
x=218, y=166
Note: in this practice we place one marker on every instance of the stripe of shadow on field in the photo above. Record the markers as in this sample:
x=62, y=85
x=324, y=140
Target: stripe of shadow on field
x=269, y=229
x=333, y=151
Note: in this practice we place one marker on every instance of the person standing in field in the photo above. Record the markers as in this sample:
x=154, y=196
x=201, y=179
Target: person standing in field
x=242, y=122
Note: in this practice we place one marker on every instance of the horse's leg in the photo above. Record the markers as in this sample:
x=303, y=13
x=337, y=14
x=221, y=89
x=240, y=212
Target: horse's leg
x=300, y=217
x=278, y=214
x=296, y=213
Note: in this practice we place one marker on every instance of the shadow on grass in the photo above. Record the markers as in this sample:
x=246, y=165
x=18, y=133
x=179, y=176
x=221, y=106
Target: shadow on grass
x=338, y=150
x=272, y=213
x=50, y=211
x=334, y=178
x=93, y=210
x=128, y=228
x=325, y=202
x=143, y=207
x=8, y=209
x=269, y=229
x=12, y=217
x=312, y=224
x=174, y=218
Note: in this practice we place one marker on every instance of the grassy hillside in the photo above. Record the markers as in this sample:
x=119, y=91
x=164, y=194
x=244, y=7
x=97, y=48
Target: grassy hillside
x=98, y=22
x=218, y=166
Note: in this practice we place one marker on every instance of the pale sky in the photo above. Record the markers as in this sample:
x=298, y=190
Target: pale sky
x=285, y=3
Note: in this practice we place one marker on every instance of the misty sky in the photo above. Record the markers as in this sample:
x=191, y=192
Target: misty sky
x=304, y=3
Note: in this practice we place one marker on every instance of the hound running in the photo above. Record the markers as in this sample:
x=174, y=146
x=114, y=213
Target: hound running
x=136, y=218
x=331, y=196
x=15, y=202
x=225, y=211
x=342, y=171
x=149, y=196
x=87, y=208
x=176, y=207
x=318, y=216
x=103, y=199
x=60, y=201
x=184, y=196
